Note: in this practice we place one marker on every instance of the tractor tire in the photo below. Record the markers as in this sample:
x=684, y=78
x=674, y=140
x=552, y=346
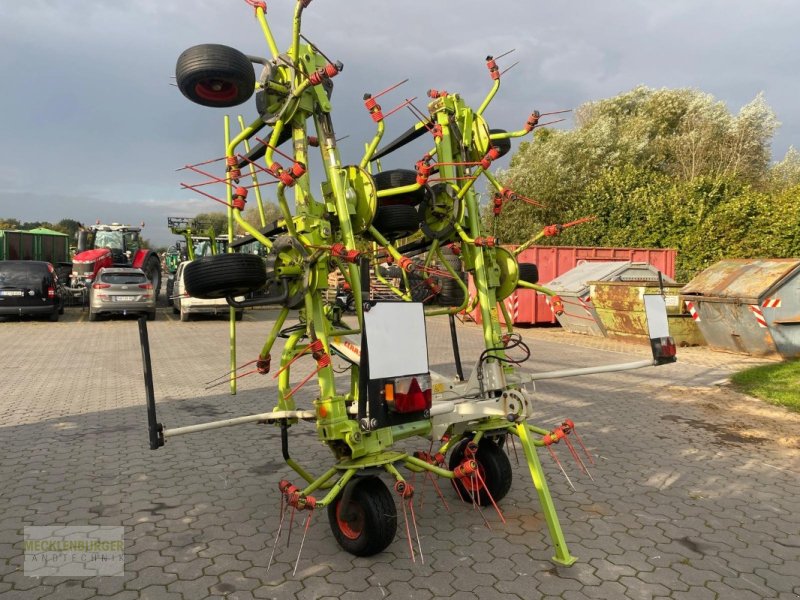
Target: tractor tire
x=503, y=145
x=494, y=467
x=215, y=75
x=152, y=268
x=528, y=272
x=368, y=524
x=396, y=221
x=223, y=275
x=399, y=178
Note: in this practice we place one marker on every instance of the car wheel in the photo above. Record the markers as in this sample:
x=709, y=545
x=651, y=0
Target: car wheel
x=368, y=524
x=170, y=291
x=93, y=316
x=494, y=467
x=54, y=315
x=215, y=75
x=224, y=275
x=151, y=316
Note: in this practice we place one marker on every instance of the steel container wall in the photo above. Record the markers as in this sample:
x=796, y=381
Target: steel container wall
x=552, y=261
x=749, y=306
x=620, y=307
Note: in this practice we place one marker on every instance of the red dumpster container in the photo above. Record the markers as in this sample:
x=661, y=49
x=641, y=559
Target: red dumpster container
x=528, y=307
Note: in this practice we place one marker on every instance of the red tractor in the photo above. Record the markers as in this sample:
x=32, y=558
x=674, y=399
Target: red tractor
x=112, y=245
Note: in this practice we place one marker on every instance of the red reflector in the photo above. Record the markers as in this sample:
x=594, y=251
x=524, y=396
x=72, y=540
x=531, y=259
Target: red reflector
x=411, y=397
x=664, y=349
x=100, y=286
x=146, y=286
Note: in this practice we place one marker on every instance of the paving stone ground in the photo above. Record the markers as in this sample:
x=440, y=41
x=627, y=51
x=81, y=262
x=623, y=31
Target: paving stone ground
x=693, y=497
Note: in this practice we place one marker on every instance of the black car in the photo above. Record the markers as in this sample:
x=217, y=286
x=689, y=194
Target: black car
x=30, y=287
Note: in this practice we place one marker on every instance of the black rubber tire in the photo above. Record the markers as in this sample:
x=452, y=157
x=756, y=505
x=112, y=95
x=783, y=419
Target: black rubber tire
x=222, y=275
x=374, y=525
x=170, y=291
x=215, y=75
x=503, y=145
x=152, y=268
x=494, y=466
x=452, y=294
x=53, y=316
x=399, y=178
x=238, y=315
x=528, y=272
x=396, y=221
x=151, y=316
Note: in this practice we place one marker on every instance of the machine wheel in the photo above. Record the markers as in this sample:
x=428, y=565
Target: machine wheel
x=451, y=294
x=494, y=467
x=503, y=145
x=152, y=268
x=368, y=524
x=399, y=178
x=396, y=221
x=215, y=75
x=528, y=272
x=223, y=275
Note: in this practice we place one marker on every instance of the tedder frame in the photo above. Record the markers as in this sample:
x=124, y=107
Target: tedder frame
x=426, y=221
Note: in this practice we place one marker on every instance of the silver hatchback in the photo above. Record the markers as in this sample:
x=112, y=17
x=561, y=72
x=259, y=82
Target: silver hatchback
x=121, y=291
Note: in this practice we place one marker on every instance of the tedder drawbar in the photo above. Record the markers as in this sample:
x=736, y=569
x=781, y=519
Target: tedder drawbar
x=425, y=223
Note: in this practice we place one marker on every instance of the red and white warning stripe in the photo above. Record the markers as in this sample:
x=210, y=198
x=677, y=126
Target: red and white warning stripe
x=585, y=304
x=759, y=315
x=692, y=310
x=512, y=304
x=771, y=303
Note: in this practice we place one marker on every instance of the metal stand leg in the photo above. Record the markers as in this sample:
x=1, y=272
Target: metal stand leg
x=562, y=557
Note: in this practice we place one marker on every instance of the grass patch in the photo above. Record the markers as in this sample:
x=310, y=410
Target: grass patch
x=777, y=384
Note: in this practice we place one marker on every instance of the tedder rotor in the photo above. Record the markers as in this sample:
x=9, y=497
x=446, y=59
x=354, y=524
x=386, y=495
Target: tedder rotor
x=417, y=232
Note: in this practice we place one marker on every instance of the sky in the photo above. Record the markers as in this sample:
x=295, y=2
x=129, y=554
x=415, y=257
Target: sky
x=92, y=126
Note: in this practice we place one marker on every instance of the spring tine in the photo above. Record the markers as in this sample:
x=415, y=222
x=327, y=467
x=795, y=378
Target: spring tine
x=247, y=364
x=558, y=462
x=302, y=541
x=458, y=491
x=277, y=535
x=438, y=490
x=514, y=446
x=416, y=531
x=489, y=494
x=577, y=458
x=291, y=523
x=408, y=530
x=585, y=449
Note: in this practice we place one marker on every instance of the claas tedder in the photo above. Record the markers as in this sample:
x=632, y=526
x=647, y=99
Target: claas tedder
x=425, y=223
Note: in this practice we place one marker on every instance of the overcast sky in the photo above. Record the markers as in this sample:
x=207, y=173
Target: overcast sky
x=92, y=127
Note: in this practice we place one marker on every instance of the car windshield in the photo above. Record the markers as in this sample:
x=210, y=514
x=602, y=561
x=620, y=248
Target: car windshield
x=19, y=274
x=124, y=278
x=108, y=239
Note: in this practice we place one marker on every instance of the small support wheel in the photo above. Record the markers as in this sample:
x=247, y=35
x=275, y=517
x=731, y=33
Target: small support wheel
x=368, y=524
x=223, y=275
x=215, y=75
x=493, y=466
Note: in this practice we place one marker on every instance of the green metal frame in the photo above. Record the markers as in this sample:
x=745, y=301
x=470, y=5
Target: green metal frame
x=342, y=215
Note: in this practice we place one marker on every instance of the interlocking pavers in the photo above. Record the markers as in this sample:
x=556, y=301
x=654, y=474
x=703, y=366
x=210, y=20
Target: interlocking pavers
x=684, y=503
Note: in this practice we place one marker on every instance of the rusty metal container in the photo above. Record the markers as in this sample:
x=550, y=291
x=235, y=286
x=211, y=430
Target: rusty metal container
x=620, y=307
x=749, y=306
x=580, y=315
x=528, y=307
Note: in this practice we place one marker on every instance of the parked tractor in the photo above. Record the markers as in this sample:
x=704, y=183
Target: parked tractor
x=112, y=245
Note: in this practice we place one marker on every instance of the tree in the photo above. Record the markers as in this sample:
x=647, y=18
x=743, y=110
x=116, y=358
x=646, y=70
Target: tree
x=251, y=214
x=216, y=220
